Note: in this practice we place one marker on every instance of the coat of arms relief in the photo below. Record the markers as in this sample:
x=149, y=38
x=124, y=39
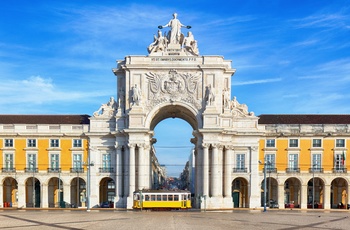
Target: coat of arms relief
x=173, y=86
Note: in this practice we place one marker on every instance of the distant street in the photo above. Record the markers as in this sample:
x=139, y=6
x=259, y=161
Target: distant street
x=237, y=219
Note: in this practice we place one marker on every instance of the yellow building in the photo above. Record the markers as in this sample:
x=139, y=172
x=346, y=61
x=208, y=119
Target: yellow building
x=305, y=157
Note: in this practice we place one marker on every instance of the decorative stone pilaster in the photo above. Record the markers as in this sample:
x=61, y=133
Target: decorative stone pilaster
x=205, y=169
x=228, y=168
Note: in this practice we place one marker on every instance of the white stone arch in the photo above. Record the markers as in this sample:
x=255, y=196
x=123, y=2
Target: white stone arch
x=173, y=110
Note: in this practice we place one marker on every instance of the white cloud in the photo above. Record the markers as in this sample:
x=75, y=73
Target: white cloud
x=254, y=82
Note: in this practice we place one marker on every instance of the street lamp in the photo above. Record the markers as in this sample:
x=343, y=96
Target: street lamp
x=313, y=185
x=265, y=163
x=89, y=164
x=33, y=183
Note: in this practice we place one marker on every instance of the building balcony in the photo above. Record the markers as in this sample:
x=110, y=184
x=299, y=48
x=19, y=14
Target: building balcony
x=292, y=170
x=339, y=170
x=315, y=170
x=31, y=170
x=240, y=170
x=53, y=170
x=8, y=170
x=106, y=170
x=270, y=170
x=77, y=170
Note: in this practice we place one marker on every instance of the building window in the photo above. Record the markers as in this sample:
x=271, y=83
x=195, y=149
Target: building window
x=8, y=161
x=270, y=162
x=316, y=143
x=106, y=162
x=77, y=143
x=339, y=161
x=316, y=161
x=240, y=162
x=54, y=143
x=54, y=162
x=293, y=162
x=339, y=143
x=270, y=143
x=293, y=143
x=8, y=143
x=31, y=143
x=77, y=162
x=31, y=162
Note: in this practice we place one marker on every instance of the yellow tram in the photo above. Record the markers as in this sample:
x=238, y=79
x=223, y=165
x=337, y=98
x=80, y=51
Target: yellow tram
x=162, y=199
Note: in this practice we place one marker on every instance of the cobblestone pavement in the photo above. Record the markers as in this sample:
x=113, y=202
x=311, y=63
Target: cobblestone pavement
x=242, y=219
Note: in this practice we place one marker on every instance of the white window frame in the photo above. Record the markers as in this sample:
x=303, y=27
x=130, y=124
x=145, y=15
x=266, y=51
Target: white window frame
x=315, y=143
x=316, y=163
x=106, y=161
x=77, y=143
x=32, y=161
x=269, y=143
x=9, y=163
x=291, y=142
x=270, y=159
x=293, y=161
x=8, y=143
x=240, y=161
x=54, y=163
x=77, y=163
x=32, y=143
x=54, y=143
x=340, y=143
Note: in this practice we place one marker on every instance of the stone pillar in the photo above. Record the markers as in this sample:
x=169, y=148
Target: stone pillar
x=281, y=196
x=141, y=167
x=132, y=179
x=228, y=167
x=44, y=196
x=21, y=195
x=214, y=185
x=66, y=193
x=126, y=172
x=132, y=165
x=147, y=172
x=327, y=196
x=255, y=179
x=205, y=169
x=220, y=178
x=303, y=200
x=119, y=172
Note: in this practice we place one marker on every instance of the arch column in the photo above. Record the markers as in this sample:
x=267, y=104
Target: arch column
x=126, y=172
x=143, y=167
x=215, y=172
x=228, y=166
x=1, y=196
x=303, y=199
x=205, y=169
x=44, y=199
x=119, y=172
x=281, y=196
x=66, y=193
x=327, y=196
x=132, y=164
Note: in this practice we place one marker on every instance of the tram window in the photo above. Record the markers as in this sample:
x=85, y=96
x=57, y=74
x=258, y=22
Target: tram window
x=153, y=197
x=159, y=197
x=137, y=197
x=164, y=198
x=184, y=197
x=147, y=197
x=170, y=197
x=176, y=197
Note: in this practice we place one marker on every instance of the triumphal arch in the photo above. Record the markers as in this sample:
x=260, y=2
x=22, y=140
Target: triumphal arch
x=175, y=81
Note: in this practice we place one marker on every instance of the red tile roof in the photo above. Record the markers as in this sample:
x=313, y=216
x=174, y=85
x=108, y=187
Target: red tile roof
x=304, y=119
x=44, y=119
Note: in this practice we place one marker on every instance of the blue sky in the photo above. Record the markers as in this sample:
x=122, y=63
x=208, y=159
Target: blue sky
x=292, y=57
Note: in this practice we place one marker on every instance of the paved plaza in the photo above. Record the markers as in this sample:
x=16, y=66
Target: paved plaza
x=237, y=219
